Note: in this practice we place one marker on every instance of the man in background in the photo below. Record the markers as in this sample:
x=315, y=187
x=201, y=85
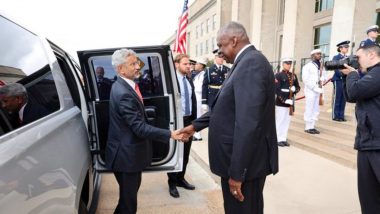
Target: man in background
x=365, y=92
x=189, y=112
x=213, y=80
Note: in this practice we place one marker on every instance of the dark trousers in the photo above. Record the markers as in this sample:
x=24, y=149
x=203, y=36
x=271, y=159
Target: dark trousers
x=212, y=92
x=173, y=177
x=339, y=102
x=253, y=197
x=129, y=184
x=369, y=181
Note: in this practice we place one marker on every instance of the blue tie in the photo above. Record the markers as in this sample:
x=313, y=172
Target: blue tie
x=187, y=101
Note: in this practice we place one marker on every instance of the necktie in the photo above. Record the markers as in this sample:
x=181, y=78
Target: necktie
x=137, y=89
x=187, y=101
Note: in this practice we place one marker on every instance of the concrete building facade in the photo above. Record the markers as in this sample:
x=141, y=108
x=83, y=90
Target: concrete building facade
x=283, y=28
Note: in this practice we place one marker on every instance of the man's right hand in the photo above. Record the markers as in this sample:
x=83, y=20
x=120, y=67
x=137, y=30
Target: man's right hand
x=204, y=108
x=187, y=132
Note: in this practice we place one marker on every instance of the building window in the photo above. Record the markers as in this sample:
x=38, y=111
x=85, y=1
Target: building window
x=213, y=43
x=197, y=32
x=282, y=12
x=201, y=49
x=321, y=5
x=209, y=25
x=214, y=22
x=206, y=48
x=202, y=28
x=322, y=38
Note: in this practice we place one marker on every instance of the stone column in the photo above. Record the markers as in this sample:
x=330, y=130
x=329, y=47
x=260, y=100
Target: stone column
x=256, y=17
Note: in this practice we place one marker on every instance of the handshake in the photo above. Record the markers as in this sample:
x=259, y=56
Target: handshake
x=183, y=134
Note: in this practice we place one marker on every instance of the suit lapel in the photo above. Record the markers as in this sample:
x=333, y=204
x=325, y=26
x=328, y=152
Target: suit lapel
x=250, y=48
x=132, y=91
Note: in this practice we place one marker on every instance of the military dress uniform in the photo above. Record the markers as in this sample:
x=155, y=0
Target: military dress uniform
x=311, y=76
x=212, y=82
x=284, y=81
x=338, y=99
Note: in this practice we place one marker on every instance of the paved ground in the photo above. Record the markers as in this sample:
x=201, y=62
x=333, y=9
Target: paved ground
x=306, y=184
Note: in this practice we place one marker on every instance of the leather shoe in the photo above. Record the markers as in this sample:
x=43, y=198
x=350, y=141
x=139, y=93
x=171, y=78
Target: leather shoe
x=310, y=131
x=197, y=139
x=281, y=143
x=173, y=191
x=286, y=143
x=183, y=183
x=316, y=131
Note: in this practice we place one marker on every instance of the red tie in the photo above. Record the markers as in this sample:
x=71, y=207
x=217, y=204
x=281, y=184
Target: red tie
x=137, y=89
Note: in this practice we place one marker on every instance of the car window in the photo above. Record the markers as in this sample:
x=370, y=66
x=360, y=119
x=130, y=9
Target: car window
x=23, y=61
x=150, y=80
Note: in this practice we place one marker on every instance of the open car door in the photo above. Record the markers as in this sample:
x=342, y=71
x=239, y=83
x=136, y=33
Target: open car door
x=158, y=85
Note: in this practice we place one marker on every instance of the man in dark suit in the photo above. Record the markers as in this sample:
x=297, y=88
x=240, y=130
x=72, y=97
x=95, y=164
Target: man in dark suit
x=242, y=132
x=14, y=99
x=104, y=84
x=189, y=111
x=129, y=148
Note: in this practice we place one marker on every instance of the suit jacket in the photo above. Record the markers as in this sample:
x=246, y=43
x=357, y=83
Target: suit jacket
x=129, y=146
x=193, y=101
x=32, y=112
x=242, y=131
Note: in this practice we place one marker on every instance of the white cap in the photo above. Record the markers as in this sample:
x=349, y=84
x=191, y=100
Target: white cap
x=372, y=28
x=315, y=51
x=202, y=60
x=287, y=59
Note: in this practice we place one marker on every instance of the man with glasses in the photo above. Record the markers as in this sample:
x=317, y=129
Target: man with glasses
x=286, y=88
x=338, y=101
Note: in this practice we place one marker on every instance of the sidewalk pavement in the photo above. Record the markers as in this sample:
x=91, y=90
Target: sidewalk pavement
x=306, y=183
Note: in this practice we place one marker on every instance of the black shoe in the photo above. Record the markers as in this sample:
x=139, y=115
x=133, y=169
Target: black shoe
x=343, y=120
x=281, y=143
x=316, y=131
x=173, y=191
x=310, y=131
x=286, y=143
x=183, y=183
x=335, y=119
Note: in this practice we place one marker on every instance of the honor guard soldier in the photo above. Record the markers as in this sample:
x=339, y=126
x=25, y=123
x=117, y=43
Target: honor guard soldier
x=372, y=33
x=313, y=75
x=339, y=101
x=287, y=87
x=213, y=80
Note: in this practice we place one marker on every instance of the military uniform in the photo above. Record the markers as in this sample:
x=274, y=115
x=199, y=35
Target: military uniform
x=212, y=82
x=284, y=81
x=311, y=76
x=369, y=41
x=338, y=99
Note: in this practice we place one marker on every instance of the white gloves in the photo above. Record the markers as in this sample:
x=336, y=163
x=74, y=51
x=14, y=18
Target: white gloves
x=293, y=88
x=284, y=90
x=289, y=102
x=318, y=90
x=204, y=108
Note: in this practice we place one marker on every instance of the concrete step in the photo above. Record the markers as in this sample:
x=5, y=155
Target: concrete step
x=326, y=135
x=330, y=152
x=335, y=129
x=336, y=139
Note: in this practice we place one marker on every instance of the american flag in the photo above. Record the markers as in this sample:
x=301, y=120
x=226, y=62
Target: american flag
x=180, y=42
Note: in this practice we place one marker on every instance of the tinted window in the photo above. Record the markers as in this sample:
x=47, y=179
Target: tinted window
x=150, y=81
x=22, y=60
